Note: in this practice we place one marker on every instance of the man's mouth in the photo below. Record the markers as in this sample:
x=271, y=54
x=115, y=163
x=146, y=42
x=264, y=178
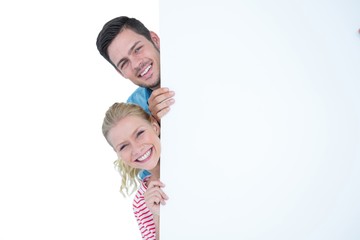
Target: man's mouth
x=145, y=156
x=146, y=70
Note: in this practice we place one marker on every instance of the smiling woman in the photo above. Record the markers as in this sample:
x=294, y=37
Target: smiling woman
x=134, y=135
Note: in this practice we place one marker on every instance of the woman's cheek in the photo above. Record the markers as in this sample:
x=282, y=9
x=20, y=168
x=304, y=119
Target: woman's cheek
x=126, y=158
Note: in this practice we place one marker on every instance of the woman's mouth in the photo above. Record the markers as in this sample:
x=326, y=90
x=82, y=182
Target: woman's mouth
x=145, y=156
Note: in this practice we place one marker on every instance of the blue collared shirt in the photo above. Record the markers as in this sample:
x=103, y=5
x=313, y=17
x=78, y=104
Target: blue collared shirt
x=140, y=97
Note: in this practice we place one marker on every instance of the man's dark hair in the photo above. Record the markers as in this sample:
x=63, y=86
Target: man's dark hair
x=113, y=27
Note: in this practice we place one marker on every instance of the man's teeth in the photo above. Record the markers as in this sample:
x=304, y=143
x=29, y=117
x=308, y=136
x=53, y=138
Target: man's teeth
x=145, y=71
x=145, y=156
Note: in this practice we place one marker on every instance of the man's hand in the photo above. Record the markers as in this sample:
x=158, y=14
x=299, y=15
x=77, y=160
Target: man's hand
x=160, y=101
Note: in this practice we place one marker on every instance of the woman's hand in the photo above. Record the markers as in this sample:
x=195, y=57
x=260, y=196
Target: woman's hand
x=154, y=196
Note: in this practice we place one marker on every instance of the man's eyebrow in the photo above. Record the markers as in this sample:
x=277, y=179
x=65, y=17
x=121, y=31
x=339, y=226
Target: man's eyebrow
x=129, y=52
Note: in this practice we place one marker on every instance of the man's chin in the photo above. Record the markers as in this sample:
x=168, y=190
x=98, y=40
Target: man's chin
x=152, y=86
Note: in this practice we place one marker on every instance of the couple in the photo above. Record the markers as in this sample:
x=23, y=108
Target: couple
x=133, y=129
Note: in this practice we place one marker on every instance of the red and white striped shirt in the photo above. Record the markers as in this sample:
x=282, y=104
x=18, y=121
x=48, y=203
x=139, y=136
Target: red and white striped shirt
x=143, y=215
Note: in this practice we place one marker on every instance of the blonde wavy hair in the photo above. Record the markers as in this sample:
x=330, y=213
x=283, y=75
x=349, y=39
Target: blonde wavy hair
x=118, y=111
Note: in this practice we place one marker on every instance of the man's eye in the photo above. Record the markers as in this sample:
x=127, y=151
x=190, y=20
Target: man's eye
x=123, y=64
x=138, y=49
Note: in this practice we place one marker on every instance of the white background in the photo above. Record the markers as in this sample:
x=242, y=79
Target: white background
x=56, y=175
x=57, y=179
x=264, y=139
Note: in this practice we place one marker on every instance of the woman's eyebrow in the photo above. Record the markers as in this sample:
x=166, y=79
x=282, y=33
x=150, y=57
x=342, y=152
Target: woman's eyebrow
x=132, y=134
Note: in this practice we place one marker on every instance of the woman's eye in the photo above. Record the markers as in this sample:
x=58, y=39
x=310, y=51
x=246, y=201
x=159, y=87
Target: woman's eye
x=122, y=148
x=140, y=133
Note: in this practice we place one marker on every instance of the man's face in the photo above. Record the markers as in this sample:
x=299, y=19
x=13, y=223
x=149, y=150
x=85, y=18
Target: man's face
x=136, y=58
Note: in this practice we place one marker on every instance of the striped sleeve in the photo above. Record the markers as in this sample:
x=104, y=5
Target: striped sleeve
x=143, y=215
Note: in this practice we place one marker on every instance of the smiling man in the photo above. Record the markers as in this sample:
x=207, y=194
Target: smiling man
x=134, y=51
x=139, y=59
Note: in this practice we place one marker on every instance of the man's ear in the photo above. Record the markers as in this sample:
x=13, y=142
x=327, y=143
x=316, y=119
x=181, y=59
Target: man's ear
x=155, y=38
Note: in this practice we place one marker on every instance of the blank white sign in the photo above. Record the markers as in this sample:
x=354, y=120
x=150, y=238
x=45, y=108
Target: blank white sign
x=264, y=139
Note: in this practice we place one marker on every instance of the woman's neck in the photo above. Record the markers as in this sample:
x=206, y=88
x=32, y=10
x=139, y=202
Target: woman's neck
x=155, y=172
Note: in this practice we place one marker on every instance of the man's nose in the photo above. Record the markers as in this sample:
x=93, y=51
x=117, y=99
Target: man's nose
x=137, y=64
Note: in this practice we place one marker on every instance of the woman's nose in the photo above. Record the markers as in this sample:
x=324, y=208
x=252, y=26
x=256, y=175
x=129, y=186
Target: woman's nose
x=137, y=149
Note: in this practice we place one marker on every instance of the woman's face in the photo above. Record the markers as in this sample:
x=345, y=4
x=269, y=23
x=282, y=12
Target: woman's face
x=136, y=142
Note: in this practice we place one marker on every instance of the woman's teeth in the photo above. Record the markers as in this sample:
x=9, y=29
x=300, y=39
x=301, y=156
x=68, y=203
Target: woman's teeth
x=145, y=156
